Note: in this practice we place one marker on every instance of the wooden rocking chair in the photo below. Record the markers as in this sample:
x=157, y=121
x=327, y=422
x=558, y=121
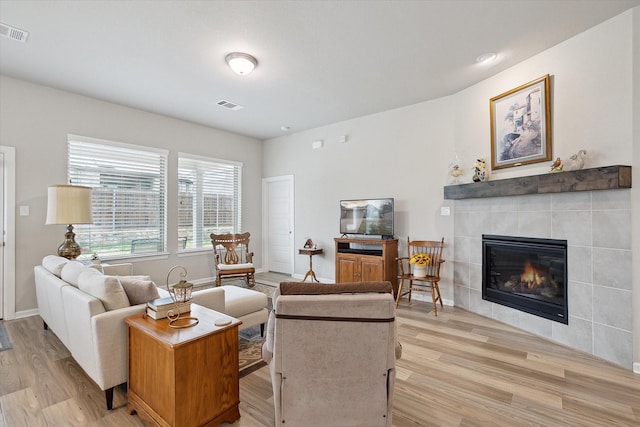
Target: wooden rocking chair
x=232, y=257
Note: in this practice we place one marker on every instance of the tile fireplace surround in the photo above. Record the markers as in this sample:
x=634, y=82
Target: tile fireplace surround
x=597, y=227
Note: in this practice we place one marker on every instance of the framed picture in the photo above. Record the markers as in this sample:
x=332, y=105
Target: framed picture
x=521, y=125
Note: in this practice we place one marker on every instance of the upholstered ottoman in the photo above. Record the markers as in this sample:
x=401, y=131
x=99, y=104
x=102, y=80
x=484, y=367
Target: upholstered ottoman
x=248, y=305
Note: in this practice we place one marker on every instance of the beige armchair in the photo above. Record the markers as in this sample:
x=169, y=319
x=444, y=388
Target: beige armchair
x=332, y=352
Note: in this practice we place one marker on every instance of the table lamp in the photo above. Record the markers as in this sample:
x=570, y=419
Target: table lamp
x=69, y=204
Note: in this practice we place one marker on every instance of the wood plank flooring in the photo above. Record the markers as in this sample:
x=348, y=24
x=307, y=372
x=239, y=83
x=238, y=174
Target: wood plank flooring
x=457, y=369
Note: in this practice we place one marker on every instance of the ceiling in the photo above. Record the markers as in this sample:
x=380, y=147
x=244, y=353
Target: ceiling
x=320, y=62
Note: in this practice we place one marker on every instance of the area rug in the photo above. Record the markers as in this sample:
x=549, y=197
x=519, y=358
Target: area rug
x=4, y=340
x=250, y=347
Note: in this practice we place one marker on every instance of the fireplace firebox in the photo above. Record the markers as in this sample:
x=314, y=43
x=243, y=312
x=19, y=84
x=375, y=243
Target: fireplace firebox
x=526, y=274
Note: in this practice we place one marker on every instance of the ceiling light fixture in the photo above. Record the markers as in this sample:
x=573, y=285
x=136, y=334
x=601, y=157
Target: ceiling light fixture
x=486, y=58
x=241, y=63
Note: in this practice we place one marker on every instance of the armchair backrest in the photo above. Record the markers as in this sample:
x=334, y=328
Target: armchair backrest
x=333, y=354
x=236, y=247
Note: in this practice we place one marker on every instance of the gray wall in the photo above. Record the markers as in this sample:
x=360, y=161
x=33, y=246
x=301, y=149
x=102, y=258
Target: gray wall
x=36, y=120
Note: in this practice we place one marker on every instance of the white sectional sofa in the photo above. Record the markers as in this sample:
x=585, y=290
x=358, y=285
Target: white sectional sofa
x=85, y=307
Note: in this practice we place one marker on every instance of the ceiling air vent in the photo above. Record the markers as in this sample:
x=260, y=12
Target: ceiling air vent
x=229, y=105
x=13, y=33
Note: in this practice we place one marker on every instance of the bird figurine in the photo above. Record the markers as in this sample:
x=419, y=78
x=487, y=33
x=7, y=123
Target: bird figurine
x=557, y=166
x=576, y=162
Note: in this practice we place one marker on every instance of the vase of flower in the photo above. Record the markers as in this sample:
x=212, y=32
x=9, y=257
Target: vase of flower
x=420, y=271
x=419, y=262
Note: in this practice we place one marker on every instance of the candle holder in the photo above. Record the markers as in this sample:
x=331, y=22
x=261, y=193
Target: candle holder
x=180, y=293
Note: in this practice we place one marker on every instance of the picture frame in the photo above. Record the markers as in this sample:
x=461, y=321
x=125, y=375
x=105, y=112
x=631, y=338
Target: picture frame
x=521, y=125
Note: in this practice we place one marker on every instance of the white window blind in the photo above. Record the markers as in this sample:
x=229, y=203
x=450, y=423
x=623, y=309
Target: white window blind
x=129, y=196
x=208, y=199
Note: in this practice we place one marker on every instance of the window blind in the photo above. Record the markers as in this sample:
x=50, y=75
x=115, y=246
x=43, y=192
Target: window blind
x=129, y=196
x=208, y=199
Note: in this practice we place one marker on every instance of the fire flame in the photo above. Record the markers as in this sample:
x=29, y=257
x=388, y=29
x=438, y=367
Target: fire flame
x=530, y=276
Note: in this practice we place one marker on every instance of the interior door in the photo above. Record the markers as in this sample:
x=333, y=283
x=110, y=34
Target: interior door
x=278, y=224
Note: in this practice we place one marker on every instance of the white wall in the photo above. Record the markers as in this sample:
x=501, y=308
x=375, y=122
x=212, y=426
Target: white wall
x=593, y=79
x=403, y=153
x=591, y=99
x=36, y=120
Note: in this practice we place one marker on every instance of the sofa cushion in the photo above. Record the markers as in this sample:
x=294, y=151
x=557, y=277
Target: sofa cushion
x=106, y=288
x=71, y=272
x=235, y=266
x=241, y=301
x=139, y=289
x=54, y=264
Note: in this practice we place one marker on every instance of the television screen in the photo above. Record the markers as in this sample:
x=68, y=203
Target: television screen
x=367, y=216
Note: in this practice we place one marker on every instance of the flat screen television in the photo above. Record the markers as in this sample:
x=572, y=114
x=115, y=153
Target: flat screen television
x=371, y=217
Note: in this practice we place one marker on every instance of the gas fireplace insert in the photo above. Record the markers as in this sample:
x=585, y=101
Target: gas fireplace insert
x=527, y=274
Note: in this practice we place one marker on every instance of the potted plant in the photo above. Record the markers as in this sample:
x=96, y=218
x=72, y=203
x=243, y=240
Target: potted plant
x=420, y=262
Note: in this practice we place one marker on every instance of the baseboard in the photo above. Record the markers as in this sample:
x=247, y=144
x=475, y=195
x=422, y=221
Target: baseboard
x=205, y=281
x=636, y=367
x=300, y=277
x=26, y=313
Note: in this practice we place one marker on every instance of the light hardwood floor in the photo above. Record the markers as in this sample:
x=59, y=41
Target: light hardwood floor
x=457, y=369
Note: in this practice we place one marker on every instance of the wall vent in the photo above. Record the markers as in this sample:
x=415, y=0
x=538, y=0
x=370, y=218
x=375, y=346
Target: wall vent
x=230, y=105
x=13, y=33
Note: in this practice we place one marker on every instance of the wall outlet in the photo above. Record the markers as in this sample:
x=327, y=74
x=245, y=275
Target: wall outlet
x=445, y=211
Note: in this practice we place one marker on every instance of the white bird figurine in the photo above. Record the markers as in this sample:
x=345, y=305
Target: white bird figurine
x=576, y=162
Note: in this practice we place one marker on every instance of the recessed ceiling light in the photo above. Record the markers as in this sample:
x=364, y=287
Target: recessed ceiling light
x=241, y=63
x=486, y=57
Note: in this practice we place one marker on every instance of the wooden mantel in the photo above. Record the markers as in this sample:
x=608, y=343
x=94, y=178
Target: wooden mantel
x=603, y=178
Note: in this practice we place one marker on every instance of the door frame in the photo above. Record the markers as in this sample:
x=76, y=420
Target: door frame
x=265, y=220
x=8, y=284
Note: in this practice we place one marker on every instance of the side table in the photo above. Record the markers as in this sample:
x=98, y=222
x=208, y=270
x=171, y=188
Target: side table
x=184, y=377
x=311, y=252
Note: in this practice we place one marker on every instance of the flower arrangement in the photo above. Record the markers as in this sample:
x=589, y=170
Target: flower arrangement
x=420, y=259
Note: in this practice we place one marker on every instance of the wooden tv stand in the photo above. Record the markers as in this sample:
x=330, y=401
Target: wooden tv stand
x=363, y=260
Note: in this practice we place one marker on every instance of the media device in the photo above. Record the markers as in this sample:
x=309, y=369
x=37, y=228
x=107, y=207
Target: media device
x=370, y=217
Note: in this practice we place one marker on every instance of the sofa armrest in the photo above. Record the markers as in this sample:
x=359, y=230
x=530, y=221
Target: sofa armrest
x=110, y=345
x=267, y=347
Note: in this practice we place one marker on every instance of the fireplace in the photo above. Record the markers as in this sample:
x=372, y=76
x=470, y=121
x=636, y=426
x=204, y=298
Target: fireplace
x=526, y=274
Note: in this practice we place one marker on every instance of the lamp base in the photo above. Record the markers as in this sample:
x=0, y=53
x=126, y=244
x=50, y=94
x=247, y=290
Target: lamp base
x=69, y=248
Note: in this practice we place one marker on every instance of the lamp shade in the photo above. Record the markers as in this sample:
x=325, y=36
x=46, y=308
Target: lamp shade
x=69, y=204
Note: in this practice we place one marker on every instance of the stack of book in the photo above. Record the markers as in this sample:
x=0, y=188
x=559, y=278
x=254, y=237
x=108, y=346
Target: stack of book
x=159, y=308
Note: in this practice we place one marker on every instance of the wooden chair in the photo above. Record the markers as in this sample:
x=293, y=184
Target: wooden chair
x=423, y=284
x=232, y=257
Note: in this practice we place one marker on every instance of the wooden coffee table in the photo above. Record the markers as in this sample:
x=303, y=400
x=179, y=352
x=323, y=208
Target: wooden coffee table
x=184, y=377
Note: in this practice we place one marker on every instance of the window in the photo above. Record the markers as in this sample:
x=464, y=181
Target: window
x=129, y=196
x=208, y=199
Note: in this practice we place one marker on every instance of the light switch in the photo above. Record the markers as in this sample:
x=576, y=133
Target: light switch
x=445, y=210
x=24, y=210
